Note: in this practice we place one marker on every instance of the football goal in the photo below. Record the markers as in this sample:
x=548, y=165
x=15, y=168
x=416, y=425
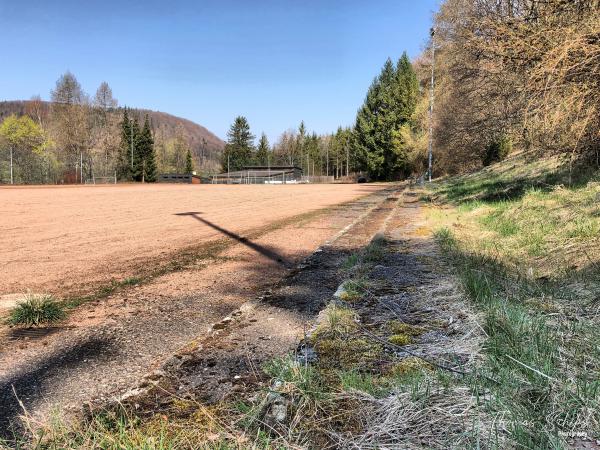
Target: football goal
x=102, y=180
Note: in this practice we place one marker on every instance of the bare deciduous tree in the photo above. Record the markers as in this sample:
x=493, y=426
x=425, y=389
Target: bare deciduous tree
x=104, y=97
x=526, y=70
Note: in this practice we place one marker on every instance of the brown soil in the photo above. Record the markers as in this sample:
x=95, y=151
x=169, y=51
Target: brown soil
x=68, y=240
x=108, y=344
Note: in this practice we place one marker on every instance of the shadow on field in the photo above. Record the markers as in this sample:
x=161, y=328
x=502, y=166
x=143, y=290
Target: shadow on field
x=265, y=251
x=32, y=385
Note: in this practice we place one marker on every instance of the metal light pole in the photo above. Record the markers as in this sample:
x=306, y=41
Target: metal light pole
x=11, y=165
x=327, y=158
x=430, y=150
x=347, y=157
x=131, y=133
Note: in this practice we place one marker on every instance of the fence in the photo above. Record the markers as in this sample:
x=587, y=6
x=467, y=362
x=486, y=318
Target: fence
x=318, y=179
x=101, y=180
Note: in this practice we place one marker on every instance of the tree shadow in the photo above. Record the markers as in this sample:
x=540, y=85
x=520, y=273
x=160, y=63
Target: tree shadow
x=30, y=386
x=490, y=188
x=574, y=289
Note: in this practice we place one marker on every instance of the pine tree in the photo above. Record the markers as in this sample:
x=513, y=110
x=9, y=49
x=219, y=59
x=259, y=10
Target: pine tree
x=239, y=147
x=263, y=150
x=189, y=164
x=301, y=144
x=148, y=152
x=144, y=156
x=390, y=103
x=406, y=94
x=137, y=172
x=125, y=169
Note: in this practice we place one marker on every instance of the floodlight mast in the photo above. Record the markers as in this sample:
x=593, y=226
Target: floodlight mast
x=131, y=139
x=431, y=98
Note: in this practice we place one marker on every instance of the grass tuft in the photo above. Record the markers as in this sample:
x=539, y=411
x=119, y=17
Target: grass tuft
x=354, y=290
x=37, y=310
x=336, y=321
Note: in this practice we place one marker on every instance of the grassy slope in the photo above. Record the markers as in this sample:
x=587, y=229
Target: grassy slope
x=527, y=250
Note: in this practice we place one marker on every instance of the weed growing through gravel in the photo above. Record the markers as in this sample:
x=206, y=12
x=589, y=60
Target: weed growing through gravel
x=351, y=261
x=375, y=251
x=354, y=289
x=37, y=310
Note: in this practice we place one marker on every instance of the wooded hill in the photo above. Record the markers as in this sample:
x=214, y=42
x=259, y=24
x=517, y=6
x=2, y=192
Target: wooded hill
x=173, y=136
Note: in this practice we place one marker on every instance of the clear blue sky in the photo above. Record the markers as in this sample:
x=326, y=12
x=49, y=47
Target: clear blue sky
x=276, y=62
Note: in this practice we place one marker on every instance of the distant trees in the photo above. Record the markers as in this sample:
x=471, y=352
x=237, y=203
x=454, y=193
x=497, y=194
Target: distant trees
x=388, y=107
x=104, y=97
x=145, y=169
x=26, y=143
x=125, y=170
x=286, y=148
x=67, y=91
x=36, y=109
x=189, y=163
x=320, y=155
x=240, y=145
x=137, y=156
x=87, y=138
x=263, y=151
x=71, y=121
x=105, y=131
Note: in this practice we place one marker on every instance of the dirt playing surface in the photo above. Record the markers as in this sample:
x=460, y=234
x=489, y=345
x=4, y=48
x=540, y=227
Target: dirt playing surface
x=106, y=345
x=65, y=240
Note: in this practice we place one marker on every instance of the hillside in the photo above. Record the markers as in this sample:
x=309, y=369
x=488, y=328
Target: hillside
x=206, y=146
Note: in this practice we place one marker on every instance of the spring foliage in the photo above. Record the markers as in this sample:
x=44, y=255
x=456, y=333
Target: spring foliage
x=524, y=72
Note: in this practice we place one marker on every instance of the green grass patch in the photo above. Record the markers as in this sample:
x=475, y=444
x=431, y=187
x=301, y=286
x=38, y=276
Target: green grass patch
x=375, y=251
x=545, y=390
x=351, y=261
x=37, y=310
x=527, y=252
x=354, y=289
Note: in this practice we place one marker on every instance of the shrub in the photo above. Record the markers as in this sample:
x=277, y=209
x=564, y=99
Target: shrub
x=36, y=310
x=497, y=150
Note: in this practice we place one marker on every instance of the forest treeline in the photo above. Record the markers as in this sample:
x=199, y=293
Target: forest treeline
x=75, y=138
x=380, y=145
x=521, y=74
x=509, y=75
x=316, y=155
